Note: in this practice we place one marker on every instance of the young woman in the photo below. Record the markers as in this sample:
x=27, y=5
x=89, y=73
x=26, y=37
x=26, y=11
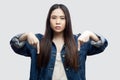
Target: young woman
x=58, y=54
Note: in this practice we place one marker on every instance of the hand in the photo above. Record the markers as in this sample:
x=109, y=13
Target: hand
x=33, y=40
x=84, y=37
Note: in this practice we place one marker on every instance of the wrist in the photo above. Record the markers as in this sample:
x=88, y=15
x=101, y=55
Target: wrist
x=92, y=36
x=23, y=37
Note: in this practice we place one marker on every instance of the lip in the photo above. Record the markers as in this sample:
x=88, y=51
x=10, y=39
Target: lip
x=58, y=27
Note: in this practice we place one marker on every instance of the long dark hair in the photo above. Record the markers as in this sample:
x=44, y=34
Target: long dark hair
x=71, y=56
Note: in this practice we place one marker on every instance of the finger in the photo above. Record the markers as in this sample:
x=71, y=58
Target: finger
x=78, y=45
x=38, y=48
x=81, y=42
x=31, y=42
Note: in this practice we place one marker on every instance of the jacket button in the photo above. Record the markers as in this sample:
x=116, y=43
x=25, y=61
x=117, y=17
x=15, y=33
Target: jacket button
x=63, y=56
x=50, y=68
x=67, y=69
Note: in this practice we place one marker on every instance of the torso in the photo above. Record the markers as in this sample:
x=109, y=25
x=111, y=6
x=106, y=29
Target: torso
x=59, y=44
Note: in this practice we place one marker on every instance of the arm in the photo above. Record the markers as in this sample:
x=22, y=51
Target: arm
x=96, y=43
x=23, y=43
x=31, y=38
x=86, y=35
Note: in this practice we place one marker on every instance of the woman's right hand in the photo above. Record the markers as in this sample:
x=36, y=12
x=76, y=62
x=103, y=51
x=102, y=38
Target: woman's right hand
x=32, y=39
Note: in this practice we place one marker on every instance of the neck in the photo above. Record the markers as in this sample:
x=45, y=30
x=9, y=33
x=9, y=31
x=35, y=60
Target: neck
x=58, y=35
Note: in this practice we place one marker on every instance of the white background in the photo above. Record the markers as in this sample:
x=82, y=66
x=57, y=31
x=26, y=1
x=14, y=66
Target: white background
x=100, y=16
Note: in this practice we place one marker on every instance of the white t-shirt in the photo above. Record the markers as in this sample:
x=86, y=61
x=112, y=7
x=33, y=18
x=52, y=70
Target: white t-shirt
x=59, y=72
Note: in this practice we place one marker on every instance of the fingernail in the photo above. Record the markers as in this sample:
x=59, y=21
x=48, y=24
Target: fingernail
x=37, y=52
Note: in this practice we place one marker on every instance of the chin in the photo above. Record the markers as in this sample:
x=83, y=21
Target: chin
x=58, y=31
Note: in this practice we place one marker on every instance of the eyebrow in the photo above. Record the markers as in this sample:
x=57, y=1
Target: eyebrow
x=56, y=16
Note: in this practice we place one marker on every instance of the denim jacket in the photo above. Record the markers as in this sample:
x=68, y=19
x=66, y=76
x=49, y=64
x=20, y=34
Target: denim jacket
x=45, y=73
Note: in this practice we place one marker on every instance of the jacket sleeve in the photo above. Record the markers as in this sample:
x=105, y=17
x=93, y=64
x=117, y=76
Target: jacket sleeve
x=97, y=47
x=23, y=47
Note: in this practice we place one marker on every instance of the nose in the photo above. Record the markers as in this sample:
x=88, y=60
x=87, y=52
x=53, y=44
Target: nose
x=58, y=21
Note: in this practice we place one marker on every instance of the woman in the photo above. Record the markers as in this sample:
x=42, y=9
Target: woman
x=58, y=54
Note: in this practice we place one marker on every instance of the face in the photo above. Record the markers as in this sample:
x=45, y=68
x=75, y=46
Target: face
x=57, y=20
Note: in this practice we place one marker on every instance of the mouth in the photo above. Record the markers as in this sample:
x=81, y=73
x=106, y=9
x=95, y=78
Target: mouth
x=58, y=27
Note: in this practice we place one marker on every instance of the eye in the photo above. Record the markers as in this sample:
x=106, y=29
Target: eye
x=62, y=17
x=53, y=17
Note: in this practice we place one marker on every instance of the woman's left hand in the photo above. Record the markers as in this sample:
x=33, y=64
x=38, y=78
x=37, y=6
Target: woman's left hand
x=85, y=36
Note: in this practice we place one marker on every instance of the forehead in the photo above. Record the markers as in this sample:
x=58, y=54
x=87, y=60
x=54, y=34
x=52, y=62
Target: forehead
x=58, y=12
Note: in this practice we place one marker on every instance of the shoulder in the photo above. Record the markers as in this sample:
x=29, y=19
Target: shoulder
x=76, y=35
x=39, y=35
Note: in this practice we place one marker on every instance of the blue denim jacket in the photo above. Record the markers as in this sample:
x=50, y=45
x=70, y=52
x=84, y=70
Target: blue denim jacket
x=45, y=73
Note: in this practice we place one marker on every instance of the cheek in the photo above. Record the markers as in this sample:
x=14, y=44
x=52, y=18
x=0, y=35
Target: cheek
x=64, y=24
x=51, y=23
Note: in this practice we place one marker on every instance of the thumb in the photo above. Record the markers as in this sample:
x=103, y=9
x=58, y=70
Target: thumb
x=38, y=48
x=78, y=45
